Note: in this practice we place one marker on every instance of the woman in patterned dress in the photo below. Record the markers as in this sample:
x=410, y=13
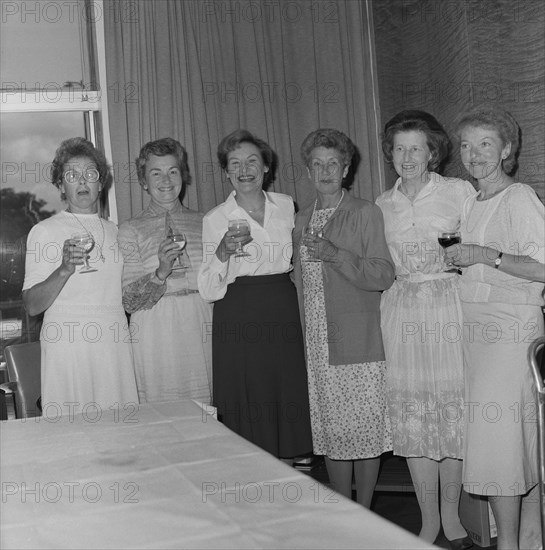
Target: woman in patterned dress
x=169, y=319
x=503, y=239
x=340, y=273
x=422, y=320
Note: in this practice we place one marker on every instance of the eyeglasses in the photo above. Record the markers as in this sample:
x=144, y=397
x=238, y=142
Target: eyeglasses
x=90, y=175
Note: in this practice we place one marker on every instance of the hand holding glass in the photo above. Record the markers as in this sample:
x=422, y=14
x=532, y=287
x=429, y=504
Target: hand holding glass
x=449, y=238
x=242, y=227
x=86, y=242
x=311, y=231
x=181, y=240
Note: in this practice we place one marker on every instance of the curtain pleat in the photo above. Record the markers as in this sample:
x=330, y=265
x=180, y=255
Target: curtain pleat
x=196, y=70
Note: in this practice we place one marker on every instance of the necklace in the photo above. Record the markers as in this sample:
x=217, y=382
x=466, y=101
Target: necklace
x=334, y=207
x=90, y=233
x=481, y=196
x=255, y=211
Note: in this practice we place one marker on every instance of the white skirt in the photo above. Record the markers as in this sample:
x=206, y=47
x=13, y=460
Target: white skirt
x=172, y=344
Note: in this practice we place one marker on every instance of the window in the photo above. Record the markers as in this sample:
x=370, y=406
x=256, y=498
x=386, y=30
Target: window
x=50, y=90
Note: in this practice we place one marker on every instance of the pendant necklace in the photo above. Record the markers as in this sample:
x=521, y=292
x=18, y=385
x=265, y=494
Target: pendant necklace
x=90, y=233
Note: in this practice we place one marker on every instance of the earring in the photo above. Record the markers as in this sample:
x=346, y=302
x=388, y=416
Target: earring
x=63, y=196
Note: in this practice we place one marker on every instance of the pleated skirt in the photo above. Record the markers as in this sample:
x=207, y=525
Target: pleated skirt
x=260, y=383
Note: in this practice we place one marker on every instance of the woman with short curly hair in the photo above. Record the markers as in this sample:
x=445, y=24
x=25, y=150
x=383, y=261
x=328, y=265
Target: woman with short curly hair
x=503, y=256
x=85, y=349
x=169, y=319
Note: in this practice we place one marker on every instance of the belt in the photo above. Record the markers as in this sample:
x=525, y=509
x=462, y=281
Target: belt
x=182, y=292
x=421, y=277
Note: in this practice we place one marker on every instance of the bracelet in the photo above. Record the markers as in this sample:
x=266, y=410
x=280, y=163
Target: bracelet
x=155, y=277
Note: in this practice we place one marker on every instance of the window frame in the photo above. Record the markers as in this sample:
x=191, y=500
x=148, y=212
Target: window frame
x=91, y=103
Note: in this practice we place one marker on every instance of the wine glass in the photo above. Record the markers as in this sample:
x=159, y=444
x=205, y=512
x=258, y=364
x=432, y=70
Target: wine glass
x=242, y=227
x=449, y=238
x=181, y=240
x=312, y=231
x=86, y=242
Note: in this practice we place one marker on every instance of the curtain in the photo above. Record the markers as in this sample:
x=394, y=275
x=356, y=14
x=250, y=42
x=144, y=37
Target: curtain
x=196, y=70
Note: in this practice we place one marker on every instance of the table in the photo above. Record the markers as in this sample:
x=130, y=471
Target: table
x=166, y=475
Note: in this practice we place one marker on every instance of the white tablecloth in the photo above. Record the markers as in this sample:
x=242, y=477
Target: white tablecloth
x=166, y=476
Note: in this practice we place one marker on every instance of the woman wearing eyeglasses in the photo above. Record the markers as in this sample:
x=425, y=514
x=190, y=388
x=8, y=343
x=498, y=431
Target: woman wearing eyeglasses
x=73, y=273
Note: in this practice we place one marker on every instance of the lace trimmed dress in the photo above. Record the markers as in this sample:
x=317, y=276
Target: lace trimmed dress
x=347, y=402
x=422, y=322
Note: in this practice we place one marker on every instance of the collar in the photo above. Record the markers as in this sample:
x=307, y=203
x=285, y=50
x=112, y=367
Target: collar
x=231, y=204
x=158, y=210
x=426, y=190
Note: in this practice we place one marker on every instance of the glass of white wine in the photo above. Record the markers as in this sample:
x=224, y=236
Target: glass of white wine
x=86, y=242
x=242, y=227
x=181, y=240
x=311, y=230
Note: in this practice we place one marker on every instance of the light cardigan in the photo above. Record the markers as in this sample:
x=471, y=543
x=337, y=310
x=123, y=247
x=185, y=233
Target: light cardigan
x=353, y=280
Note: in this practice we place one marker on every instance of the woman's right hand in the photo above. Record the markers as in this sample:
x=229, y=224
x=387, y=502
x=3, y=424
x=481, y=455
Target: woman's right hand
x=72, y=256
x=229, y=242
x=167, y=254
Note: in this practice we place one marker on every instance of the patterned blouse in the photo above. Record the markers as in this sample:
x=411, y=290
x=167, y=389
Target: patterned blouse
x=139, y=240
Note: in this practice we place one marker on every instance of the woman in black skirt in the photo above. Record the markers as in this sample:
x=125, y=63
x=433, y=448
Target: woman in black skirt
x=260, y=384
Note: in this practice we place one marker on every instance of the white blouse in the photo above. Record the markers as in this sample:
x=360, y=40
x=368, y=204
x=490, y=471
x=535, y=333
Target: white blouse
x=412, y=228
x=513, y=222
x=270, y=250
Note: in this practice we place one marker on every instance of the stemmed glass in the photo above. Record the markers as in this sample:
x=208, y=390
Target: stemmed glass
x=86, y=242
x=181, y=240
x=449, y=238
x=312, y=231
x=242, y=227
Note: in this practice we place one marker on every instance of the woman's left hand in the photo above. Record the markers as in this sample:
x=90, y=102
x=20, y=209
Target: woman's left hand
x=320, y=248
x=464, y=255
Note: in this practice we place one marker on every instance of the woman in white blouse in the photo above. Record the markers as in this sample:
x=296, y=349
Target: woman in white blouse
x=422, y=320
x=260, y=385
x=503, y=238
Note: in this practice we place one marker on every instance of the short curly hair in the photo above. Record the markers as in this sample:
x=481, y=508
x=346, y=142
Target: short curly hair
x=161, y=148
x=501, y=121
x=80, y=147
x=234, y=140
x=330, y=139
x=412, y=120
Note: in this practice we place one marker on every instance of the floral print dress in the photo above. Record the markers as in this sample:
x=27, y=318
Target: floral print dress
x=347, y=402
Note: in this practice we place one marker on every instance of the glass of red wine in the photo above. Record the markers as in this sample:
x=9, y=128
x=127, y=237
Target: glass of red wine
x=449, y=238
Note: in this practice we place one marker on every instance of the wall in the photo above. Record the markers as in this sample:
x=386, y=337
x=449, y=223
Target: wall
x=443, y=56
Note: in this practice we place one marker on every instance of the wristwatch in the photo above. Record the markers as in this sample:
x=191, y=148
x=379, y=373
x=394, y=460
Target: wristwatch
x=497, y=261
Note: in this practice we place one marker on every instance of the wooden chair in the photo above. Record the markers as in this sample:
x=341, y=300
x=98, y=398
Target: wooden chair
x=536, y=357
x=23, y=363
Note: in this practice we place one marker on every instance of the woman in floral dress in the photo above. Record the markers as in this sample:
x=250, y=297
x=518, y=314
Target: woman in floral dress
x=340, y=271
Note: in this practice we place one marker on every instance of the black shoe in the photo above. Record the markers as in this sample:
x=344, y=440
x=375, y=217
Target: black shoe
x=461, y=544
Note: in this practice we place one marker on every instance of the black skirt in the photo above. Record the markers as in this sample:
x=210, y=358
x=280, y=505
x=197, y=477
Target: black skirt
x=260, y=379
